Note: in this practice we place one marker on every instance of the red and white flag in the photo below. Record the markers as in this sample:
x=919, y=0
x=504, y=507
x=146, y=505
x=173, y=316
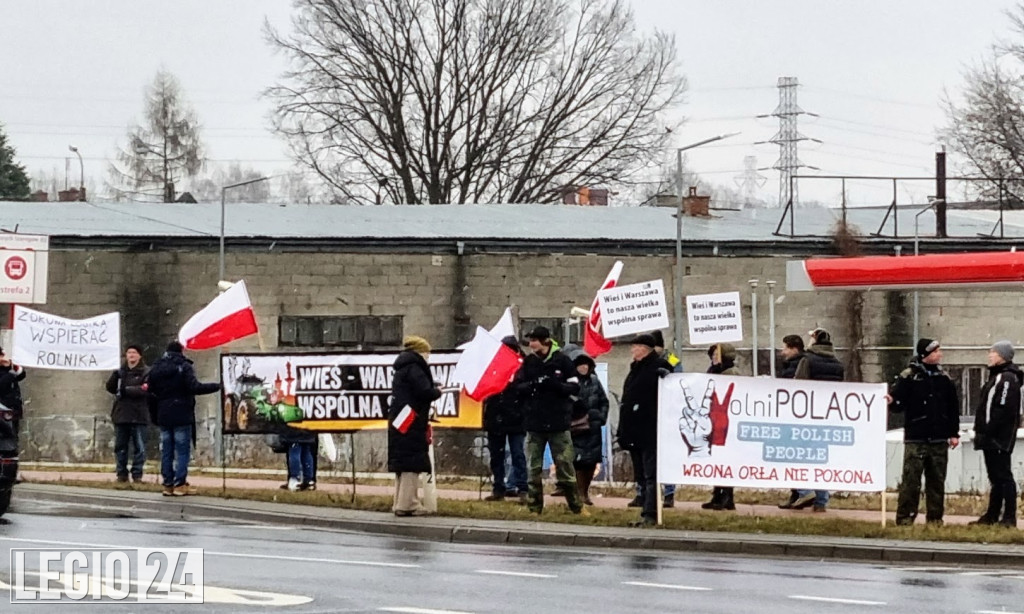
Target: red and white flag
x=227, y=318
x=594, y=341
x=486, y=365
x=404, y=419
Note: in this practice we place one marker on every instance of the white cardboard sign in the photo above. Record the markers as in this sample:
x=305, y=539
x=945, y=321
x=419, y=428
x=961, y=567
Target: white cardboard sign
x=714, y=318
x=633, y=309
x=717, y=430
x=46, y=341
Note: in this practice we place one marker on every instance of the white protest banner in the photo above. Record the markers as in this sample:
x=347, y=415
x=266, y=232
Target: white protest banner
x=714, y=318
x=716, y=430
x=633, y=309
x=50, y=342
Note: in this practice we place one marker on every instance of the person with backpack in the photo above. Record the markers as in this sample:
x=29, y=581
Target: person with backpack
x=173, y=385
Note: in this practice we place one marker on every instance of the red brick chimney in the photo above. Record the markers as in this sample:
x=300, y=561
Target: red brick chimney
x=694, y=205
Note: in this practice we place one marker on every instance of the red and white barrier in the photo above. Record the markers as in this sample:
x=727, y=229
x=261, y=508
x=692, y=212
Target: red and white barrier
x=906, y=272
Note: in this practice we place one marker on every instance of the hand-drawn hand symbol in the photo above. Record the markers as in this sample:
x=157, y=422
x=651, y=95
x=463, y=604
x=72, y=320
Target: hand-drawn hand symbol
x=706, y=424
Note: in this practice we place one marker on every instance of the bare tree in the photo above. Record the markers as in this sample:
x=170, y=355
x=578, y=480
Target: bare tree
x=207, y=188
x=451, y=101
x=986, y=125
x=166, y=147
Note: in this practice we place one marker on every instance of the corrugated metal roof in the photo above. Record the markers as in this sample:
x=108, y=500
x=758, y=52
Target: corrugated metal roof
x=530, y=221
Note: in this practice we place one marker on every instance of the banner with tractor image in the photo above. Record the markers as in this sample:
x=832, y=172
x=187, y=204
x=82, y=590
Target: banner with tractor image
x=329, y=392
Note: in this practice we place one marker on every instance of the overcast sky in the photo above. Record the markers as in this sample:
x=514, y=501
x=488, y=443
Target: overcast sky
x=73, y=73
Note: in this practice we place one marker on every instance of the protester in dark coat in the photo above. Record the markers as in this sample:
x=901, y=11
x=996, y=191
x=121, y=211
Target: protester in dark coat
x=723, y=362
x=503, y=422
x=995, y=432
x=792, y=353
x=130, y=414
x=546, y=382
x=819, y=363
x=638, y=420
x=589, y=415
x=412, y=387
x=173, y=385
x=10, y=390
x=926, y=396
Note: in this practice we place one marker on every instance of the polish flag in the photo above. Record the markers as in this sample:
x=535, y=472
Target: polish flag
x=404, y=419
x=227, y=318
x=594, y=342
x=486, y=365
x=504, y=328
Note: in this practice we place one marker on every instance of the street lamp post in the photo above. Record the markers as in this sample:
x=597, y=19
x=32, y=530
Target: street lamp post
x=678, y=286
x=223, y=191
x=917, y=299
x=81, y=171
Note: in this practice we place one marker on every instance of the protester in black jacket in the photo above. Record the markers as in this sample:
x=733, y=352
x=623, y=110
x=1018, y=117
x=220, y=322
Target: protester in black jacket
x=412, y=391
x=503, y=422
x=995, y=432
x=931, y=406
x=819, y=363
x=792, y=353
x=638, y=420
x=546, y=382
x=589, y=415
x=10, y=390
x=173, y=385
x=130, y=414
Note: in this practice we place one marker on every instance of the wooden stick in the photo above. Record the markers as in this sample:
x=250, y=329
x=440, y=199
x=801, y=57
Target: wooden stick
x=883, y=507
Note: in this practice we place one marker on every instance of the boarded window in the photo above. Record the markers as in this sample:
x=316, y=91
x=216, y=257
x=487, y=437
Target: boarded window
x=350, y=332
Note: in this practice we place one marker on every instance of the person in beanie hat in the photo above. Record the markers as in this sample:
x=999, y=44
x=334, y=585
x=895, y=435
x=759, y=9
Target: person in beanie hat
x=995, y=433
x=928, y=399
x=503, y=422
x=723, y=362
x=416, y=344
x=819, y=363
x=173, y=384
x=412, y=391
x=590, y=413
x=676, y=366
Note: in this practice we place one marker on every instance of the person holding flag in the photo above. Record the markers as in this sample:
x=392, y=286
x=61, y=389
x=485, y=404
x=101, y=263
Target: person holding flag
x=503, y=422
x=412, y=392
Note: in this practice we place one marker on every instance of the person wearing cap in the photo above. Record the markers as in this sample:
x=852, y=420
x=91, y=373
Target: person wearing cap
x=130, y=414
x=819, y=363
x=503, y=422
x=995, y=433
x=412, y=389
x=638, y=420
x=547, y=383
x=723, y=362
x=173, y=384
x=928, y=399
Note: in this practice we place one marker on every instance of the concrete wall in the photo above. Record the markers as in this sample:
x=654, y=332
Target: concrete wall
x=440, y=296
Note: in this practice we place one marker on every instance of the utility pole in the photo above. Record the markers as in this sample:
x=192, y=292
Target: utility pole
x=940, y=193
x=750, y=181
x=787, y=138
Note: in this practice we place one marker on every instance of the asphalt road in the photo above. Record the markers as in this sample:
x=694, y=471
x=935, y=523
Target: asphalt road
x=251, y=568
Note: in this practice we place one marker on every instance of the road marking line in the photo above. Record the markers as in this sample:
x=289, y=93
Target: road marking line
x=982, y=573
x=994, y=612
x=925, y=568
x=518, y=574
x=273, y=557
x=678, y=587
x=836, y=600
x=421, y=611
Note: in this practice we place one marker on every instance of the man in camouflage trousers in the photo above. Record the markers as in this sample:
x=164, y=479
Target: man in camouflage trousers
x=547, y=384
x=929, y=401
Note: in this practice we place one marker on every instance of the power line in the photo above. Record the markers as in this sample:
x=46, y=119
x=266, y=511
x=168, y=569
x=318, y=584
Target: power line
x=867, y=97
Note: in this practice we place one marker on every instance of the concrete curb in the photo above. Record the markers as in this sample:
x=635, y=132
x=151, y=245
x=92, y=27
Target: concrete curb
x=458, y=530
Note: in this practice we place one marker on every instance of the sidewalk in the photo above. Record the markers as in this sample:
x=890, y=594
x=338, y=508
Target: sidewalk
x=143, y=504
x=213, y=485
